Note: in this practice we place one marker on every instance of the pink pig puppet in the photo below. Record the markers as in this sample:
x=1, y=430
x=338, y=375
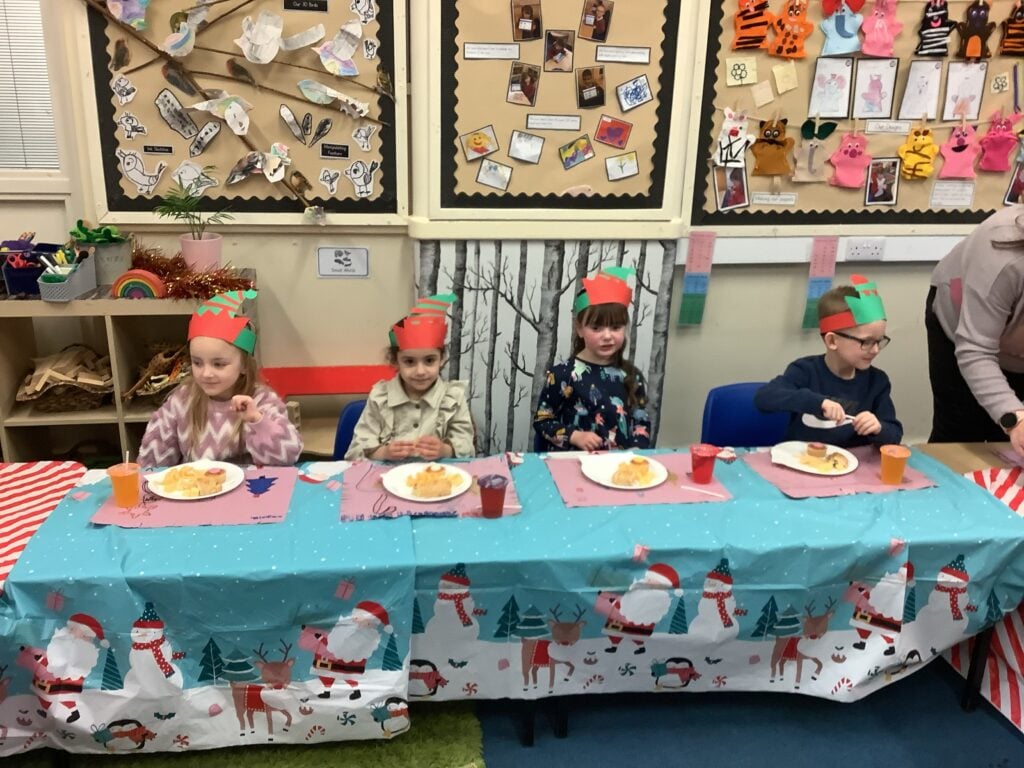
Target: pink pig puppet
x=959, y=152
x=880, y=29
x=851, y=161
x=998, y=142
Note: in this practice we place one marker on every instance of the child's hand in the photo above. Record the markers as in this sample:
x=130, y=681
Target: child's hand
x=866, y=423
x=246, y=406
x=586, y=441
x=832, y=411
x=431, y=447
x=397, y=450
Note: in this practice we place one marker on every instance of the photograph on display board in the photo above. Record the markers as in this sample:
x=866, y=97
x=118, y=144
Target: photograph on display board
x=921, y=94
x=493, y=174
x=634, y=93
x=526, y=20
x=965, y=86
x=882, y=182
x=596, y=20
x=590, y=87
x=731, y=188
x=874, y=88
x=613, y=132
x=523, y=81
x=525, y=147
x=830, y=88
x=1016, y=187
x=479, y=143
x=575, y=152
x=558, y=48
x=622, y=166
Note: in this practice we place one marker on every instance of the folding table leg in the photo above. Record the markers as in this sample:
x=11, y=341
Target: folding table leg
x=558, y=715
x=61, y=758
x=525, y=715
x=979, y=657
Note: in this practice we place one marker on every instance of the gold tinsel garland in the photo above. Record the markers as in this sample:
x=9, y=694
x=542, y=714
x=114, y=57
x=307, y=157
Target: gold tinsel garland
x=181, y=281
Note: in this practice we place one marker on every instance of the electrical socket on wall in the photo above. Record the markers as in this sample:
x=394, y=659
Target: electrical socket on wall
x=865, y=249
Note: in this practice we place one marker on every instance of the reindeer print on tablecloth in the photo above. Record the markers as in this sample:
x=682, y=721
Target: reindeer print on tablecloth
x=538, y=653
x=787, y=647
x=272, y=696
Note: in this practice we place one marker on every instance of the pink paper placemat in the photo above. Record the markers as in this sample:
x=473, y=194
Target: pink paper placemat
x=864, y=479
x=363, y=496
x=577, y=491
x=263, y=497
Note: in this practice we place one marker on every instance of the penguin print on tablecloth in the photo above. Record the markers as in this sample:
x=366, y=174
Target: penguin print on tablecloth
x=974, y=31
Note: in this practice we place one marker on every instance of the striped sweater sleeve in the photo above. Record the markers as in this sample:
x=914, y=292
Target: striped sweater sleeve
x=273, y=440
x=162, y=442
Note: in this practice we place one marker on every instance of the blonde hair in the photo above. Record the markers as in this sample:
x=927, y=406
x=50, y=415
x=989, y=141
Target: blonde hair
x=198, y=402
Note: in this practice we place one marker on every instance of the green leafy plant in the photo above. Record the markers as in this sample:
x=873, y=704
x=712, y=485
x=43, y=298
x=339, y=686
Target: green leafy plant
x=181, y=203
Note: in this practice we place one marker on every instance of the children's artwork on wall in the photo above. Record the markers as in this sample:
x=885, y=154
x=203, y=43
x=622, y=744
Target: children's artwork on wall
x=613, y=132
x=810, y=156
x=590, y=85
x=479, y=143
x=741, y=70
x=883, y=181
x=790, y=29
x=1016, y=186
x=830, y=89
x=751, y=23
x=525, y=147
x=934, y=30
x=772, y=149
x=504, y=380
x=526, y=19
x=576, y=152
x=590, y=73
x=523, y=81
x=881, y=28
x=494, y=174
x=733, y=140
x=918, y=152
x=998, y=142
x=965, y=85
x=596, y=21
x=921, y=94
x=1012, y=41
x=840, y=26
x=959, y=153
x=731, y=188
x=622, y=166
x=196, y=72
x=850, y=161
x=875, y=88
x=974, y=31
x=558, y=48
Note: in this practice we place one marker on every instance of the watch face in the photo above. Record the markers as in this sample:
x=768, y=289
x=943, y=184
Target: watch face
x=1008, y=420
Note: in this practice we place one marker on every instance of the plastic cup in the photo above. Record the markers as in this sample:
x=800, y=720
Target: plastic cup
x=894, y=461
x=492, y=495
x=702, y=462
x=127, y=484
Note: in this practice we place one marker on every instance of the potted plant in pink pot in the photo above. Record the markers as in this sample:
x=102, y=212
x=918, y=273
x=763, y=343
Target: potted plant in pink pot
x=201, y=249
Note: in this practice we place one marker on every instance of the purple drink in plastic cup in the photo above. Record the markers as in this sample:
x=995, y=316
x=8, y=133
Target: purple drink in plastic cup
x=492, y=494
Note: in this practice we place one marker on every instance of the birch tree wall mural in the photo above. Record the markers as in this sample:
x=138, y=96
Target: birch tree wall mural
x=513, y=320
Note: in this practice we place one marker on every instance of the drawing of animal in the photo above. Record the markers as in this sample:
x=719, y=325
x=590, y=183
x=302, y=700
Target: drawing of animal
x=129, y=729
x=537, y=652
x=751, y=24
x=974, y=32
x=788, y=648
x=676, y=672
x=271, y=697
x=1012, y=43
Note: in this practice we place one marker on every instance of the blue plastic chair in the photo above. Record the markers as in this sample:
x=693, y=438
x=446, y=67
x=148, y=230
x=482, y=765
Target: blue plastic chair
x=730, y=418
x=346, y=426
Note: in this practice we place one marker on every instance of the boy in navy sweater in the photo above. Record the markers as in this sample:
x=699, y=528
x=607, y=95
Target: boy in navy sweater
x=839, y=398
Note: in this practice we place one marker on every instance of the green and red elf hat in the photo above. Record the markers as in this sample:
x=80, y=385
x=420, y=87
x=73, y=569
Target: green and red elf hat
x=865, y=307
x=218, y=318
x=608, y=286
x=426, y=326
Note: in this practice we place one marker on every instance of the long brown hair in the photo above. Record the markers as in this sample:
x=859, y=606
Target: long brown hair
x=198, y=402
x=598, y=316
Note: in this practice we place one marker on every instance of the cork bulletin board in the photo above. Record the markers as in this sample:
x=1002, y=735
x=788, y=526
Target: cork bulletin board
x=556, y=103
x=887, y=99
x=337, y=152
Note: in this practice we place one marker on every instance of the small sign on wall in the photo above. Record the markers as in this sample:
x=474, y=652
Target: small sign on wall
x=342, y=261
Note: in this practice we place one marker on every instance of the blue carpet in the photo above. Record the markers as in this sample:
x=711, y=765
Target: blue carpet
x=915, y=723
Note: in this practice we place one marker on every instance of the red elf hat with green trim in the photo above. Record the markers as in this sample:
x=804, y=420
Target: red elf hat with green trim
x=426, y=325
x=865, y=307
x=218, y=318
x=608, y=286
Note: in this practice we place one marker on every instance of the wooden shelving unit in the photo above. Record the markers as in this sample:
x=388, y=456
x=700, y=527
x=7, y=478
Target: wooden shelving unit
x=122, y=328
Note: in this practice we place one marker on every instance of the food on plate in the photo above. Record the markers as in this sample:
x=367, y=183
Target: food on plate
x=818, y=458
x=636, y=471
x=432, y=482
x=190, y=482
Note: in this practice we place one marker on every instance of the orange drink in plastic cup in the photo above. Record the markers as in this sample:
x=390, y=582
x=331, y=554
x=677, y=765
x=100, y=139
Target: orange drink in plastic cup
x=126, y=481
x=894, y=461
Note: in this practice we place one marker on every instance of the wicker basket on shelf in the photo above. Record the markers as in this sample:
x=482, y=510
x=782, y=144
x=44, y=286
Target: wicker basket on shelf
x=168, y=367
x=75, y=379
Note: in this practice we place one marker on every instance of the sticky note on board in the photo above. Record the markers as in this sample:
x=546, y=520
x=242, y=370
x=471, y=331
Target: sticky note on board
x=740, y=70
x=785, y=76
x=762, y=93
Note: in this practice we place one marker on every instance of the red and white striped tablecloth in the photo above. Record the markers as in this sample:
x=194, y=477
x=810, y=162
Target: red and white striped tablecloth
x=1003, y=682
x=29, y=492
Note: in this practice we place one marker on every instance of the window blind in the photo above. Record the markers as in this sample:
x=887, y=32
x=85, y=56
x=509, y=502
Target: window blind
x=28, y=138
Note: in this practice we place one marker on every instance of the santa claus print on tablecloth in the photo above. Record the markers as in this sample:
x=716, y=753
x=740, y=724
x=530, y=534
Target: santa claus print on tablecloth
x=153, y=673
x=59, y=672
x=635, y=614
x=341, y=652
x=878, y=609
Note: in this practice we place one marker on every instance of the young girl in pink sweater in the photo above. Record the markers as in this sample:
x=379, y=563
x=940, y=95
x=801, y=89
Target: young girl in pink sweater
x=223, y=412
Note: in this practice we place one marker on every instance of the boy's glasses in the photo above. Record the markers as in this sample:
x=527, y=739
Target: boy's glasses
x=866, y=344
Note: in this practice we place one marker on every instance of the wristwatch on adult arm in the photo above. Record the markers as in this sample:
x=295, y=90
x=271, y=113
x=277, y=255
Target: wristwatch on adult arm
x=1009, y=420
